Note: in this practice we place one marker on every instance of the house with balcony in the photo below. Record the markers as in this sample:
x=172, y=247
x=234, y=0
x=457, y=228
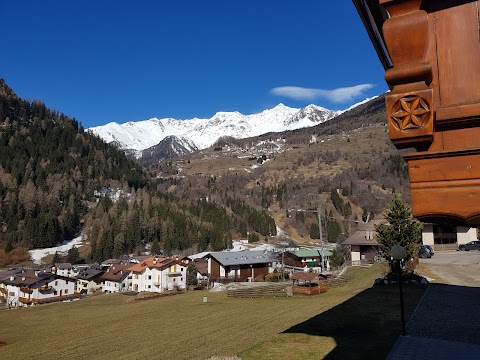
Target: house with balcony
x=158, y=274
x=28, y=287
x=240, y=265
x=117, y=278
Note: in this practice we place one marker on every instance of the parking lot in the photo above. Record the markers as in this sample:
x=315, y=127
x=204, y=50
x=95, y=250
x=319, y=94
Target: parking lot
x=456, y=267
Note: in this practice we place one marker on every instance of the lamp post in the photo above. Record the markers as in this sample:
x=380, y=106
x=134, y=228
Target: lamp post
x=398, y=254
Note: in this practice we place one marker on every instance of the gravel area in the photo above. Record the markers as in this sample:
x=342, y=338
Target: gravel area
x=448, y=313
x=456, y=268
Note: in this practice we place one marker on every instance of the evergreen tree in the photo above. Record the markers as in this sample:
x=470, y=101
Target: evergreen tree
x=314, y=231
x=402, y=229
x=192, y=276
x=56, y=258
x=336, y=259
x=73, y=256
x=155, y=249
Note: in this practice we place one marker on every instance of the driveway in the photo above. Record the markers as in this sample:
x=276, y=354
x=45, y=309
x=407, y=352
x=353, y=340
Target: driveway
x=456, y=267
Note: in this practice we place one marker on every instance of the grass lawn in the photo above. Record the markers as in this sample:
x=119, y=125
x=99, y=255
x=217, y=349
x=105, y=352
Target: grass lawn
x=356, y=320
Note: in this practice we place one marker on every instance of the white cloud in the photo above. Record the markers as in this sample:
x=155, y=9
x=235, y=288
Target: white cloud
x=336, y=95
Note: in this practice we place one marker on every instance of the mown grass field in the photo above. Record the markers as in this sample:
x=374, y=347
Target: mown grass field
x=351, y=318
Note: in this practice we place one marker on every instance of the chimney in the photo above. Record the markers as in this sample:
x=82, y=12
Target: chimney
x=12, y=278
x=24, y=278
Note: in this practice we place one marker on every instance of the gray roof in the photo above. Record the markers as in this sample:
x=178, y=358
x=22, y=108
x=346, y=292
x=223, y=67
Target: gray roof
x=228, y=258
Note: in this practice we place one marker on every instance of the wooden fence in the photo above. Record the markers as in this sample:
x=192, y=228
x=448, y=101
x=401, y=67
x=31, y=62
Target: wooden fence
x=260, y=291
x=335, y=282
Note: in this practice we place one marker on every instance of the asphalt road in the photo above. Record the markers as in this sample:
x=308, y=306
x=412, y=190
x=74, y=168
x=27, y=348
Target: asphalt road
x=457, y=267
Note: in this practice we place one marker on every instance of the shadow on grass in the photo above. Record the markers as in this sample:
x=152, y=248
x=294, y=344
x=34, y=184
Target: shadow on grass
x=367, y=325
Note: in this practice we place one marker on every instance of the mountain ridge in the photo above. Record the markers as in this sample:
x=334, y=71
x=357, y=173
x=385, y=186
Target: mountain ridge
x=142, y=135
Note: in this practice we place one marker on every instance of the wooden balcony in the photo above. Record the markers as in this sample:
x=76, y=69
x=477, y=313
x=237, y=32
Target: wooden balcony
x=3, y=290
x=25, y=301
x=45, y=289
x=3, y=297
x=26, y=290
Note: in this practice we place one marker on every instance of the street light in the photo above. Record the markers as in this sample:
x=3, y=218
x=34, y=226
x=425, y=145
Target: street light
x=398, y=254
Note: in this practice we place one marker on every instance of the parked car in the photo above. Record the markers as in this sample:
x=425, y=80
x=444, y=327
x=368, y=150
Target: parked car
x=424, y=252
x=430, y=249
x=472, y=245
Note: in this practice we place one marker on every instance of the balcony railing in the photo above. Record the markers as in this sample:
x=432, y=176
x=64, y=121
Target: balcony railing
x=25, y=301
x=174, y=273
x=26, y=290
x=45, y=289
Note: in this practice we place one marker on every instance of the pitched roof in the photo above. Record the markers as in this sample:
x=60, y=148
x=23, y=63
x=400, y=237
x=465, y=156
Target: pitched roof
x=305, y=276
x=311, y=253
x=153, y=262
x=116, y=272
x=361, y=238
x=89, y=274
x=63, y=266
x=366, y=233
x=228, y=258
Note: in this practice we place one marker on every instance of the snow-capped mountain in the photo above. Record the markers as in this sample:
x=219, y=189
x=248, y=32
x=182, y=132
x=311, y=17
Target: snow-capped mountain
x=202, y=133
x=169, y=148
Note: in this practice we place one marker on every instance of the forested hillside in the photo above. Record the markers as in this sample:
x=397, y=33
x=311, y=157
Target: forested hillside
x=56, y=180
x=347, y=166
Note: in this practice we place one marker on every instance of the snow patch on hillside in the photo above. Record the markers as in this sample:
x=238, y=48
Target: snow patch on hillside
x=38, y=254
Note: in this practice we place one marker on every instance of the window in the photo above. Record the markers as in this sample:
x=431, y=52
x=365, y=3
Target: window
x=55, y=292
x=56, y=282
x=149, y=286
x=66, y=291
x=149, y=277
x=136, y=277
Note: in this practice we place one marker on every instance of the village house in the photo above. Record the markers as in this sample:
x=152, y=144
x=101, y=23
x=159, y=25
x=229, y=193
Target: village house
x=310, y=260
x=240, y=265
x=363, y=245
x=19, y=287
x=158, y=274
x=65, y=269
x=89, y=279
x=117, y=278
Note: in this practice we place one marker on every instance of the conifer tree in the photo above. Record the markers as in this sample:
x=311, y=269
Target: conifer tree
x=402, y=229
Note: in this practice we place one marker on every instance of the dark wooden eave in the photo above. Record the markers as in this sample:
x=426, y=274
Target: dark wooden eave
x=373, y=16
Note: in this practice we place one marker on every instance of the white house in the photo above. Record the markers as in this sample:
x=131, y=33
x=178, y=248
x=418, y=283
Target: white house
x=159, y=274
x=117, y=278
x=29, y=287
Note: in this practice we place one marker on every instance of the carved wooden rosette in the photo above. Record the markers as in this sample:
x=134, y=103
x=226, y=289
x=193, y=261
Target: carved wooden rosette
x=410, y=107
x=410, y=118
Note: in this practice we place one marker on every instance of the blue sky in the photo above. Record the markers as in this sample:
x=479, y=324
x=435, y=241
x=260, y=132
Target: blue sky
x=103, y=61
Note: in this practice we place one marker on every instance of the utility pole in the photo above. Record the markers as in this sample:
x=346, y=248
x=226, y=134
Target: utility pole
x=319, y=218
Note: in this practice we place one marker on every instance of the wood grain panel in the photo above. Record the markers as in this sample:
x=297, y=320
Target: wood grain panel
x=444, y=169
x=458, y=48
